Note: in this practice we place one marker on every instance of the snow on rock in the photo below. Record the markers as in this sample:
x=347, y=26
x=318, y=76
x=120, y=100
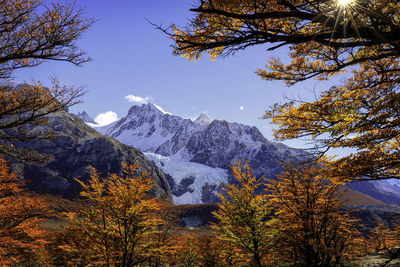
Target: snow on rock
x=390, y=185
x=102, y=128
x=190, y=181
x=85, y=117
x=151, y=129
x=144, y=137
x=203, y=119
x=202, y=150
x=162, y=110
x=196, y=155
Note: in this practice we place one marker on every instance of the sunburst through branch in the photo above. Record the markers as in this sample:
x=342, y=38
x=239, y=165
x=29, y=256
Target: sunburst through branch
x=344, y=2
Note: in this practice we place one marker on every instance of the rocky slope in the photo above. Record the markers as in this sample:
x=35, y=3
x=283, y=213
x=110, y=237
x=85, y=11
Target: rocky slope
x=387, y=191
x=74, y=147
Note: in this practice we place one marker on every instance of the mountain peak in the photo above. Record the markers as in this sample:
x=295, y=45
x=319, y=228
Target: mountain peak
x=85, y=117
x=148, y=108
x=203, y=119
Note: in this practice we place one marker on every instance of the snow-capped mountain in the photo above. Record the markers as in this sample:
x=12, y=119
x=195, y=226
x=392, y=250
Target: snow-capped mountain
x=85, y=117
x=213, y=143
x=202, y=150
x=196, y=154
x=151, y=129
x=203, y=119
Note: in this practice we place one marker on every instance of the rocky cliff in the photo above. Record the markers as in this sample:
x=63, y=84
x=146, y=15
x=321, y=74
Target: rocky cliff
x=73, y=148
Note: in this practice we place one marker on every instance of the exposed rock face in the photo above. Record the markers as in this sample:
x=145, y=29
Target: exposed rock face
x=213, y=143
x=183, y=186
x=74, y=147
x=222, y=142
x=370, y=214
x=152, y=130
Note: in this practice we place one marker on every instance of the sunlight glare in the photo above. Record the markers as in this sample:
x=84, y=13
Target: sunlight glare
x=344, y=2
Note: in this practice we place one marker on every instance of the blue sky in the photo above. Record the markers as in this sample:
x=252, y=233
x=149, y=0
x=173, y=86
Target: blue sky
x=130, y=57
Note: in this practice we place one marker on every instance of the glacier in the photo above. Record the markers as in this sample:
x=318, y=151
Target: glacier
x=203, y=175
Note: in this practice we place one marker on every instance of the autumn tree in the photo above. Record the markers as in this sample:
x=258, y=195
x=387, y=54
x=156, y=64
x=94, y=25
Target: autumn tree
x=32, y=32
x=324, y=36
x=22, y=240
x=119, y=226
x=314, y=228
x=363, y=114
x=383, y=239
x=325, y=39
x=244, y=224
x=198, y=248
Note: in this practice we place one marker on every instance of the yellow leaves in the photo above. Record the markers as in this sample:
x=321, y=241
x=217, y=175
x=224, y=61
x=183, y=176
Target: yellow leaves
x=34, y=31
x=383, y=237
x=121, y=221
x=308, y=209
x=320, y=48
x=243, y=216
x=360, y=113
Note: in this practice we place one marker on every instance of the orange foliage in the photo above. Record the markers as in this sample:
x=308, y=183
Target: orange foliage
x=314, y=230
x=325, y=39
x=21, y=239
x=383, y=237
x=195, y=249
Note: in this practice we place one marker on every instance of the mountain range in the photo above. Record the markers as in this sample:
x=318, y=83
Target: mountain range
x=196, y=155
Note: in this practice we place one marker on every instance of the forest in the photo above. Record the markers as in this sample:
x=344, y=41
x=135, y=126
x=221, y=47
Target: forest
x=296, y=218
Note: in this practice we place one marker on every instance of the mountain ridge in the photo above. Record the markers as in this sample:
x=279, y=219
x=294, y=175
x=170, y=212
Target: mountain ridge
x=216, y=144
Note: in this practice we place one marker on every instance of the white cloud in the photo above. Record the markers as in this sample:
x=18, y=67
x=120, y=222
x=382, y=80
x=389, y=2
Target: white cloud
x=137, y=99
x=106, y=118
x=241, y=108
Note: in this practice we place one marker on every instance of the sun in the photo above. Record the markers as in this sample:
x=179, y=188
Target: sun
x=344, y=2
